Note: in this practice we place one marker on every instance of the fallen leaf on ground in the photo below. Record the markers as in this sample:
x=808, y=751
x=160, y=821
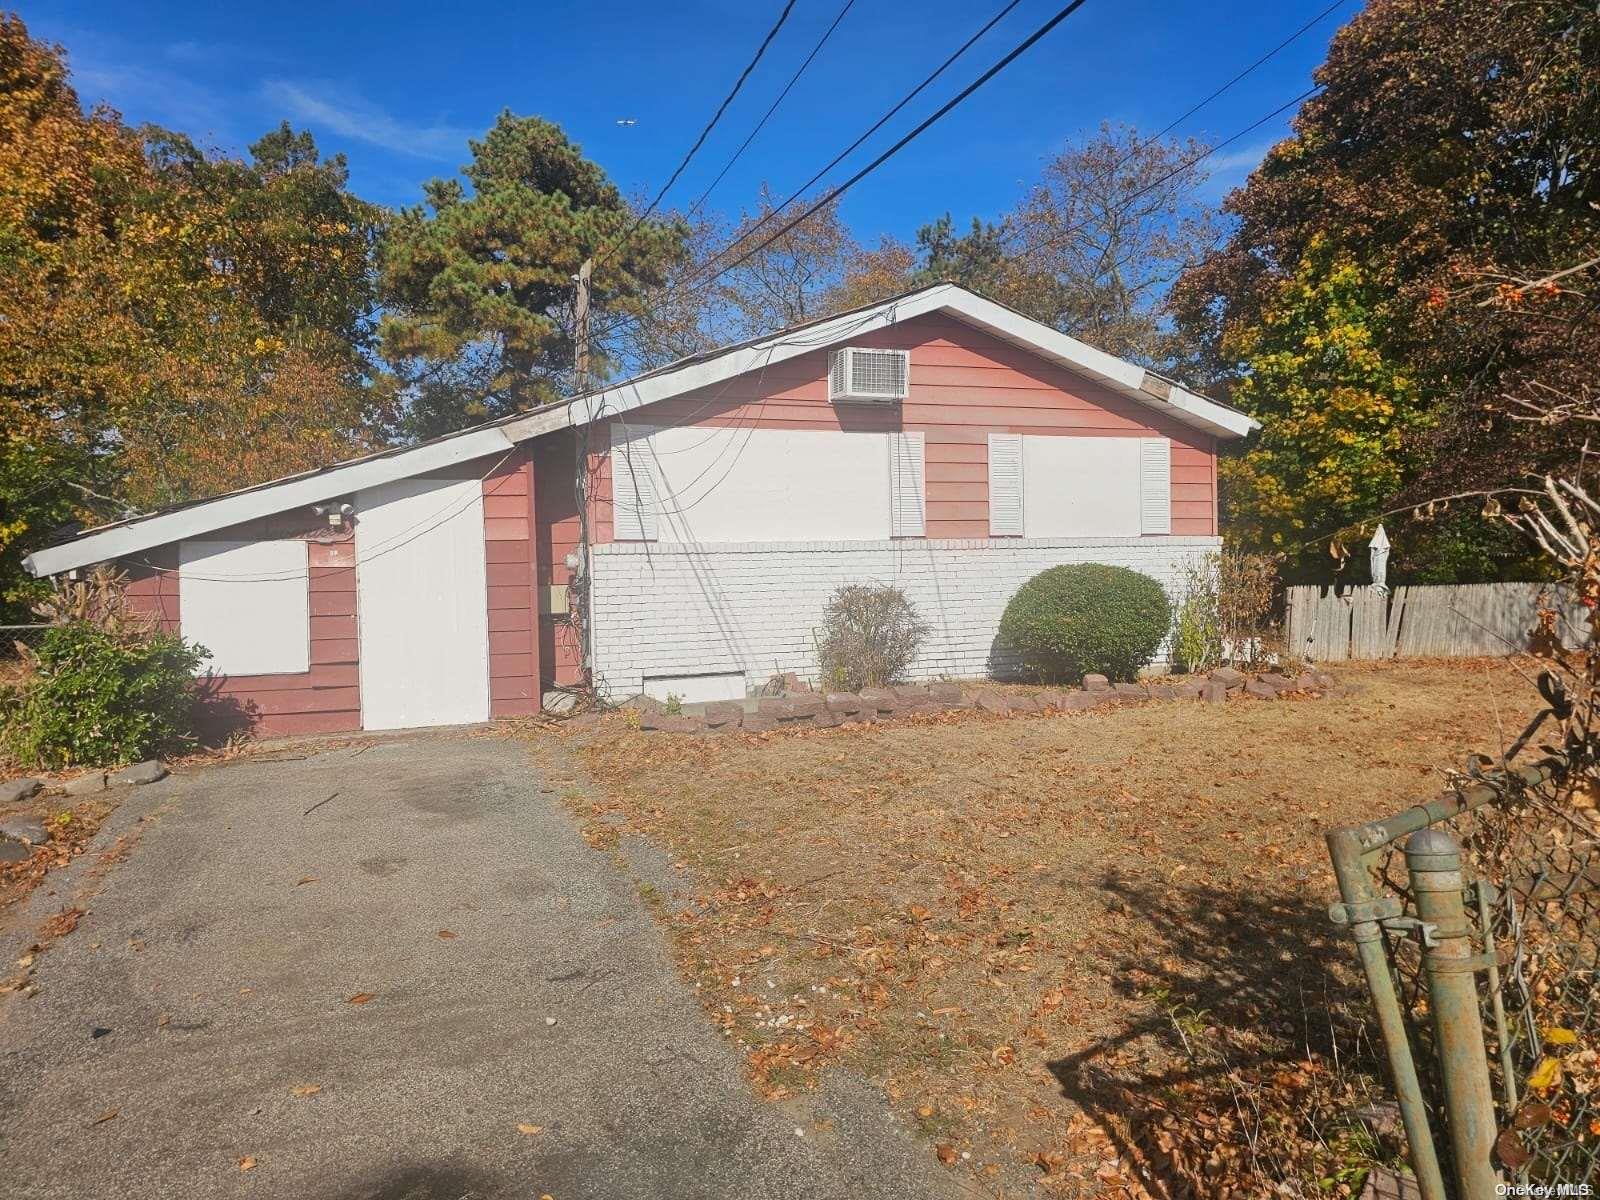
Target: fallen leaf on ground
x=306, y=1089
x=305, y=879
x=446, y=934
x=947, y=1154
x=530, y=1130
x=362, y=997
x=247, y=1163
x=110, y=1115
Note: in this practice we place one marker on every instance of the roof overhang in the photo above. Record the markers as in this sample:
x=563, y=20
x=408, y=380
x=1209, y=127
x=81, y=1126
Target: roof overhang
x=142, y=533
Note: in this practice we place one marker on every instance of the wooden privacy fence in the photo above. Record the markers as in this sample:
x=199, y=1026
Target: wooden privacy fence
x=1433, y=621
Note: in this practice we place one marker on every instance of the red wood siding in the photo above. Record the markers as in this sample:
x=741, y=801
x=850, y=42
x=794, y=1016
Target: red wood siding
x=508, y=523
x=324, y=699
x=965, y=385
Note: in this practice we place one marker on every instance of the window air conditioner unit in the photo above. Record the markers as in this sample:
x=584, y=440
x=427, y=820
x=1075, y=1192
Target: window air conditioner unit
x=874, y=376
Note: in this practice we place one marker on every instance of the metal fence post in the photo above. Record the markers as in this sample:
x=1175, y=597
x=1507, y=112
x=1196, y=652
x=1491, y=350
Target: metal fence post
x=1433, y=859
x=1360, y=912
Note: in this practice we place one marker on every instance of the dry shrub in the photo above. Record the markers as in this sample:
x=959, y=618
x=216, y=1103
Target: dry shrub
x=869, y=637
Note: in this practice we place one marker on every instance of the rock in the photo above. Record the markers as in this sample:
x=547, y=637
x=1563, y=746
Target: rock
x=558, y=704
x=803, y=707
x=723, y=714
x=1261, y=691
x=667, y=723
x=1051, y=699
x=86, y=785
x=775, y=708
x=1074, y=701
x=641, y=704
x=1163, y=691
x=842, y=702
x=911, y=691
x=14, y=852
x=150, y=771
x=1132, y=691
x=879, y=699
x=1324, y=680
x=827, y=719
x=1024, y=703
x=946, y=693
x=1306, y=681
x=1096, y=683
x=1382, y=1119
x=1384, y=1184
x=994, y=702
x=13, y=790
x=1215, y=692
x=1276, y=679
x=758, y=722
x=24, y=829
x=1227, y=677
x=1188, y=690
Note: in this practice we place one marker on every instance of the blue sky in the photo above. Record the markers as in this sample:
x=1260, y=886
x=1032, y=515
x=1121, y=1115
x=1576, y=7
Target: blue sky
x=399, y=87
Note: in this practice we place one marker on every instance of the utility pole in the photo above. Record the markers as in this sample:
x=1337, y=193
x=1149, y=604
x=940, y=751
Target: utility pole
x=580, y=358
x=578, y=591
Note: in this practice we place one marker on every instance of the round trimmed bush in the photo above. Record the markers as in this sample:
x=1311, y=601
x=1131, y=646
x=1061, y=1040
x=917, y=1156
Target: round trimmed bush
x=1087, y=617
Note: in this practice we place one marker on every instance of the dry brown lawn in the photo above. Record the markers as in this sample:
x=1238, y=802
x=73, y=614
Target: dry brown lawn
x=1087, y=952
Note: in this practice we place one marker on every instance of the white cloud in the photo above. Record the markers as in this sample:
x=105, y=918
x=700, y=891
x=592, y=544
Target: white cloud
x=343, y=112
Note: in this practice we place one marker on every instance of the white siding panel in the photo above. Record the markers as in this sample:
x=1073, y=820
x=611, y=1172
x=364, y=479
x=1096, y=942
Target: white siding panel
x=1155, y=485
x=1081, y=486
x=422, y=589
x=1005, y=485
x=249, y=603
x=907, y=492
x=696, y=689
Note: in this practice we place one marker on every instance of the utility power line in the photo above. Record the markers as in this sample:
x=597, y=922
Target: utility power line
x=793, y=79
x=834, y=193
x=1057, y=238
x=699, y=141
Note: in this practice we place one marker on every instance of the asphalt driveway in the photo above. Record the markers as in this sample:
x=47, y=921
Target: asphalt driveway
x=207, y=992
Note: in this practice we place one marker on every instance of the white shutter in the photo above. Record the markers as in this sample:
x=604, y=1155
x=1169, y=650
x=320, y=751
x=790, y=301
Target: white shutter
x=1005, y=485
x=1155, y=485
x=633, y=487
x=905, y=485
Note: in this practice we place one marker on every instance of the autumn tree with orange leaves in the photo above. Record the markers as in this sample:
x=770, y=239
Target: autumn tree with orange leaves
x=171, y=322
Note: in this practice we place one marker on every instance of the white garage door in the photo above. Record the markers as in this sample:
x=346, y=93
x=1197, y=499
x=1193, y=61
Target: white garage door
x=424, y=614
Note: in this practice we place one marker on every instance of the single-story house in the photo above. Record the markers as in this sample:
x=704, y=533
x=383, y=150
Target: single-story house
x=938, y=440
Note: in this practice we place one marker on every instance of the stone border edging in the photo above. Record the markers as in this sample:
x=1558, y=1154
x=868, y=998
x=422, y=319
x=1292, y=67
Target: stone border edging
x=829, y=710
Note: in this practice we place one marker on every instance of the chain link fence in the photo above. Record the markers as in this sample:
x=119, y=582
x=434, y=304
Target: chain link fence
x=1477, y=920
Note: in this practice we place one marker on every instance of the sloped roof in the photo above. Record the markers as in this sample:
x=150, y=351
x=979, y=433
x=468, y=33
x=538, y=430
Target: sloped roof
x=196, y=518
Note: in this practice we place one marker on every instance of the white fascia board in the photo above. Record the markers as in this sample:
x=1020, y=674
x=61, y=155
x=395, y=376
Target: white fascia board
x=198, y=519
x=1122, y=377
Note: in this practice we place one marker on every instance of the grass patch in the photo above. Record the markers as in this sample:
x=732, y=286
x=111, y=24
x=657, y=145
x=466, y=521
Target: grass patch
x=1092, y=945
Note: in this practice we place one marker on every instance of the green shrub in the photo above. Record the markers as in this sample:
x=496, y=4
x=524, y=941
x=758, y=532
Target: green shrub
x=1071, y=620
x=97, y=696
x=870, y=634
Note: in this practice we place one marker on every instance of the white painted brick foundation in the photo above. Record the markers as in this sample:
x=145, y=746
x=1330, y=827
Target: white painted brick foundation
x=664, y=609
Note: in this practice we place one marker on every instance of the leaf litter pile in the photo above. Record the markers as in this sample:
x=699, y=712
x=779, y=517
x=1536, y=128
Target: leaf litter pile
x=1088, y=952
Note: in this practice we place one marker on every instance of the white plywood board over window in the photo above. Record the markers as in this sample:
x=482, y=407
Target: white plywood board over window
x=248, y=603
x=1081, y=486
x=745, y=484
